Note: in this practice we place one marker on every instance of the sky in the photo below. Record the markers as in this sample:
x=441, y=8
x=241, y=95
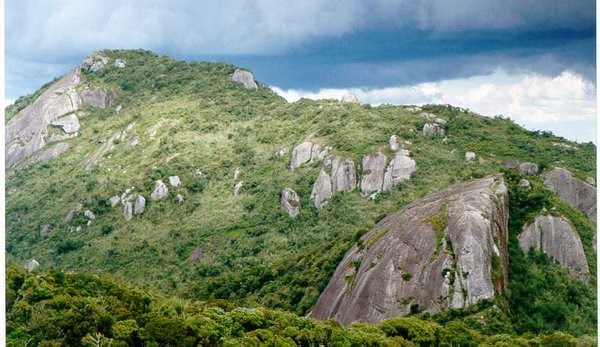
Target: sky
x=530, y=60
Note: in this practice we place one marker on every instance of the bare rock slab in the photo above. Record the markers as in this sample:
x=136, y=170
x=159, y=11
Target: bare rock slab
x=448, y=249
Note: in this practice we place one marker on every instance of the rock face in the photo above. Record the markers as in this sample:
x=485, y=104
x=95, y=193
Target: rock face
x=68, y=123
x=432, y=129
x=160, y=191
x=557, y=238
x=140, y=205
x=343, y=175
x=322, y=190
x=32, y=264
x=290, y=202
x=448, y=249
x=576, y=193
x=528, y=169
x=244, y=78
x=101, y=98
x=399, y=169
x=25, y=133
x=349, y=97
x=307, y=152
x=373, y=172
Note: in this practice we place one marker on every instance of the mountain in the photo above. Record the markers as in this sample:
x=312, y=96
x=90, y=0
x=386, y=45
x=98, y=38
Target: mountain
x=193, y=180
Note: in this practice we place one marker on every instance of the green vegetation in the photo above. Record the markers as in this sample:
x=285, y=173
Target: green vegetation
x=50, y=308
x=373, y=240
x=254, y=255
x=439, y=222
x=542, y=296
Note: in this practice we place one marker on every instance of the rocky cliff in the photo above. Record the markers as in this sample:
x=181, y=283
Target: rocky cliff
x=448, y=249
x=556, y=237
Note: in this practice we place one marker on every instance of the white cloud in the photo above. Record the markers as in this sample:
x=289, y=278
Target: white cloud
x=560, y=103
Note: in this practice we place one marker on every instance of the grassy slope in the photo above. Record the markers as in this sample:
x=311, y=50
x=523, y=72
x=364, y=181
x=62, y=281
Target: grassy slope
x=254, y=254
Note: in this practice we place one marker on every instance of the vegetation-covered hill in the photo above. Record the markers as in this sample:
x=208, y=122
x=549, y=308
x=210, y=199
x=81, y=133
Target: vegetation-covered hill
x=254, y=254
x=49, y=308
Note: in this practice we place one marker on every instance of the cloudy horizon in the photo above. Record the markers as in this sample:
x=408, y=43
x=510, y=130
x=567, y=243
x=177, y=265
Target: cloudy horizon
x=533, y=61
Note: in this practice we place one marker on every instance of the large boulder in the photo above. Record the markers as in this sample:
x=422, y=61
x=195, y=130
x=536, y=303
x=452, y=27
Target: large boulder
x=343, y=175
x=69, y=123
x=308, y=152
x=32, y=264
x=160, y=191
x=528, y=169
x=174, y=181
x=470, y=156
x=524, y=183
x=290, y=202
x=373, y=171
x=576, y=193
x=127, y=210
x=140, y=205
x=120, y=63
x=322, y=190
x=301, y=154
x=25, y=132
x=95, y=62
x=237, y=188
x=114, y=200
x=432, y=129
x=400, y=168
x=89, y=215
x=556, y=237
x=245, y=78
x=446, y=250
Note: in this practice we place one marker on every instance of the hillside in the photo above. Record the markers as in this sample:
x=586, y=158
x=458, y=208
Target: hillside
x=156, y=118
